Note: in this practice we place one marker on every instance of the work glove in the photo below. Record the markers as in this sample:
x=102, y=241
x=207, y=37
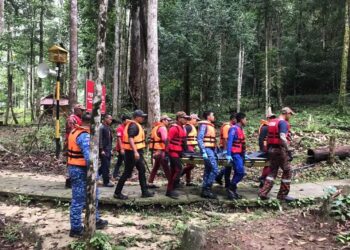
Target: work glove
x=229, y=158
x=205, y=156
x=224, y=152
x=290, y=155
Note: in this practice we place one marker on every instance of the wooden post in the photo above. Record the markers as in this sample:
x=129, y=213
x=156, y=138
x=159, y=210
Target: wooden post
x=331, y=149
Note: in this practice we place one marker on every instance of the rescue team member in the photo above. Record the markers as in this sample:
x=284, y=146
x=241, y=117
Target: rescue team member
x=263, y=130
x=73, y=121
x=177, y=145
x=158, y=143
x=120, y=151
x=133, y=143
x=207, y=143
x=191, y=138
x=236, y=147
x=279, y=153
x=78, y=163
x=105, y=145
x=225, y=171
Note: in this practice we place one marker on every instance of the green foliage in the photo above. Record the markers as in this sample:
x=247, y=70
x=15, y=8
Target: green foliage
x=343, y=238
x=40, y=140
x=101, y=241
x=12, y=233
x=77, y=245
x=22, y=200
x=129, y=241
x=179, y=227
x=340, y=208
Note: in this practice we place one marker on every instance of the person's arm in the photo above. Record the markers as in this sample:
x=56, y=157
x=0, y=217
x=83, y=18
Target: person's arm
x=283, y=128
x=83, y=142
x=163, y=134
x=232, y=137
x=188, y=129
x=101, y=131
x=200, y=138
x=262, y=136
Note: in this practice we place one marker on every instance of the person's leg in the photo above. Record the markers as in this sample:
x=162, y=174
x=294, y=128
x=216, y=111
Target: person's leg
x=78, y=179
x=227, y=173
x=178, y=168
x=239, y=173
x=286, y=177
x=165, y=164
x=156, y=165
x=274, y=156
x=129, y=166
x=213, y=172
x=140, y=165
x=171, y=179
x=118, y=165
x=105, y=162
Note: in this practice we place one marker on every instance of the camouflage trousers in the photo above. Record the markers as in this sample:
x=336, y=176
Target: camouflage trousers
x=78, y=178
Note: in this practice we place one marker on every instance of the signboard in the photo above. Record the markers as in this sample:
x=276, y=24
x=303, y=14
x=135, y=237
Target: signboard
x=90, y=96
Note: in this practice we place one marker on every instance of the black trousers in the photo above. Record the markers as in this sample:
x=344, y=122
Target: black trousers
x=104, y=168
x=118, y=165
x=130, y=163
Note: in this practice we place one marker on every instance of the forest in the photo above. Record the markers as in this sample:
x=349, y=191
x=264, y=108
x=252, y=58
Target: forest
x=97, y=66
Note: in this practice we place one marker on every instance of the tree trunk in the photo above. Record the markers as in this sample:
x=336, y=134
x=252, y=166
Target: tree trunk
x=279, y=63
x=32, y=59
x=2, y=14
x=187, y=87
x=240, y=75
x=136, y=61
x=267, y=51
x=116, y=62
x=152, y=62
x=219, y=68
x=73, y=55
x=344, y=66
x=41, y=57
x=9, y=88
x=90, y=218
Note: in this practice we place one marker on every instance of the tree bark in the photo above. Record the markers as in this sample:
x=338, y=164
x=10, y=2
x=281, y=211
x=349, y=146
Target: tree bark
x=90, y=218
x=344, y=66
x=73, y=55
x=267, y=51
x=187, y=87
x=32, y=60
x=240, y=75
x=279, y=63
x=41, y=57
x=116, y=61
x=219, y=68
x=152, y=62
x=2, y=14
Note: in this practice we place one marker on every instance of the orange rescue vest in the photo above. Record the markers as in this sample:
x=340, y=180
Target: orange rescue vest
x=75, y=156
x=192, y=136
x=139, y=139
x=210, y=137
x=224, y=136
x=156, y=142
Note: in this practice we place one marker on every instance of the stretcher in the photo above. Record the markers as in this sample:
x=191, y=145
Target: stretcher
x=253, y=159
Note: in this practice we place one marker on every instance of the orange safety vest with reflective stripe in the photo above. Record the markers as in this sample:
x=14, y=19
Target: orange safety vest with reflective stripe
x=192, y=136
x=75, y=156
x=224, y=133
x=209, y=140
x=139, y=139
x=156, y=141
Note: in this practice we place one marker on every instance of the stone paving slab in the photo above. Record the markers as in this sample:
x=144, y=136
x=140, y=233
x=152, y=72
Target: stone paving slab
x=53, y=189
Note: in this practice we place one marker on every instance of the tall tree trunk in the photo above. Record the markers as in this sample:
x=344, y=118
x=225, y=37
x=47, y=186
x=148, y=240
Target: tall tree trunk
x=9, y=106
x=344, y=66
x=73, y=55
x=279, y=62
x=187, y=87
x=152, y=62
x=219, y=69
x=267, y=52
x=90, y=218
x=136, y=61
x=116, y=61
x=143, y=38
x=41, y=57
x=2, y=14
x=32, y=59
x=240, y=75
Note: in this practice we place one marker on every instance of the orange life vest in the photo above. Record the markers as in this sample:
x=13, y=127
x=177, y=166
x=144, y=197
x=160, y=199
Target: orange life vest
x=176, y=144
x=156, y=142
x=273, y=136
x=139, y=139
x=210, y=137
x=192, y=136
x=75, y=156
x=238, y=146
x=262, y=124
x=224, y=133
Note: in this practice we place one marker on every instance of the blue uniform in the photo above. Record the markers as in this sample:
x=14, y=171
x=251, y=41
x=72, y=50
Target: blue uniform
x=78, y=179
x=210, y=165
x=237, y=159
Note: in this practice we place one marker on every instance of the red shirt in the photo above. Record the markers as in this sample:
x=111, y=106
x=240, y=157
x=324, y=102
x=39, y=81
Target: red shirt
x=120, y=132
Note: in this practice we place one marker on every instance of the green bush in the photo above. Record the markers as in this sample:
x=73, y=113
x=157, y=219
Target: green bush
x=42, y=139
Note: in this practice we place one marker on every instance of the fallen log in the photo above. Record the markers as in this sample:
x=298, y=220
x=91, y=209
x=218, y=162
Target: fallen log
x=323, y=154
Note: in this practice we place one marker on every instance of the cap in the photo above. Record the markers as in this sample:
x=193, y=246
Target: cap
x=165, y=117
x=182, y=114
x=195, y=116
x=139, y=113
x=79, y=106
x=287, y=110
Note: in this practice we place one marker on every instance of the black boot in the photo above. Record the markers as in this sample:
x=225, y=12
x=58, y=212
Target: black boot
x=76, y=233
x=120, y=196
x=147, y=194
x=261, y=181
x=172, y=194
x=208, y=194
x=101, y=224
x=233, y=190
